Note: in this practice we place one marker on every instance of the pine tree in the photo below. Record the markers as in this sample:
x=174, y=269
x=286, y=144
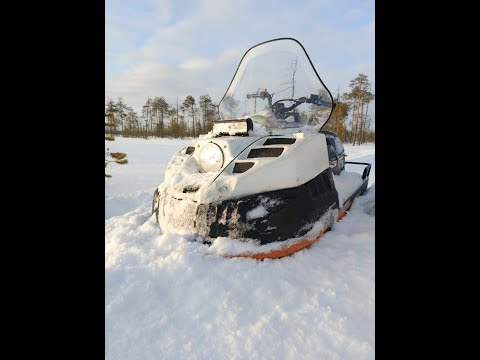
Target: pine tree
x=338, y=117
x=230, y=107
x=110, y=112
x=358, y=97
x=207, y=109
x=161, y=107
x=147, y=114
x=189, y=103
x=121, y=109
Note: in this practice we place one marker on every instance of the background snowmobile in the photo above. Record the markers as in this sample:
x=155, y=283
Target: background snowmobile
x=266, y=174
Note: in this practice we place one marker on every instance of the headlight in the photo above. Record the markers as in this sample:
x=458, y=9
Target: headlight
x=211, y=157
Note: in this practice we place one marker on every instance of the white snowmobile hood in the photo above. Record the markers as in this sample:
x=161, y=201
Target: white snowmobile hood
x=251, y=164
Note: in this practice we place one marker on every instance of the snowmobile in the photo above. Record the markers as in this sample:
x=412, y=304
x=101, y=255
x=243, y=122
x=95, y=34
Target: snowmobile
x=264, y=174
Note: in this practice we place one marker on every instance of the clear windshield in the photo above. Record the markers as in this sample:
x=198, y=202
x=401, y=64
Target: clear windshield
x=277, y=86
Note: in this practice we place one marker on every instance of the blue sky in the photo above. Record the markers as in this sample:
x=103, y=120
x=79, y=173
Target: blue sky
x=177, y=48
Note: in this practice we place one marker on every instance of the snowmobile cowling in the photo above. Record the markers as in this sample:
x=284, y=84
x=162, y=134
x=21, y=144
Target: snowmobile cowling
x=267, y=174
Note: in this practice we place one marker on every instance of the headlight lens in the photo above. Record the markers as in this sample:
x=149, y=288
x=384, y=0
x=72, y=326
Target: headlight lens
x=211, y=157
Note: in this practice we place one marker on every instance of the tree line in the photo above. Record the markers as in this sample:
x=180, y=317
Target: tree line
x=350, y=119
x=161, y=119
x=359, y=127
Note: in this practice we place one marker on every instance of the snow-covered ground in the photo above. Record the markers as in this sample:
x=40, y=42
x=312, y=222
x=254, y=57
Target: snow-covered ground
x=167, y=297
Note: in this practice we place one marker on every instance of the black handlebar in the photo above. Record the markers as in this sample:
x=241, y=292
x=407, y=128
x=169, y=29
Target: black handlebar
x=283, y=112
x=279, y=109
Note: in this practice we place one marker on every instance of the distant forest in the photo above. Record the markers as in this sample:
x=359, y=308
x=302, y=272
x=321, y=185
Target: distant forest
x=350, y=119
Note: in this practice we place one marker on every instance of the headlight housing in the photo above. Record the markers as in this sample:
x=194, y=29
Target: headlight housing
x=211, y=157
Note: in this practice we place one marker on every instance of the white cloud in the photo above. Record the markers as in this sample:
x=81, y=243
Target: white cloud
x=169, y=50
x=196, y=64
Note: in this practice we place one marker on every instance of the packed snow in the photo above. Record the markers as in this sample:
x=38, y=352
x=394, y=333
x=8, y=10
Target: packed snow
x=346, y=183
x=168, y=296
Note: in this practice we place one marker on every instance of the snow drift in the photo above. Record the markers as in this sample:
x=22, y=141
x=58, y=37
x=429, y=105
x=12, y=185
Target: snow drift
x=168, y=296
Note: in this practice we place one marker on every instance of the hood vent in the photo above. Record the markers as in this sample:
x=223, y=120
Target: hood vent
x=190, y=189
x=265, y=152
x=242, y=167
x=279, y=141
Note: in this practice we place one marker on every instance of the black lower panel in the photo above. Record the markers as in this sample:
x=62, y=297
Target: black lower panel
x=271, y=216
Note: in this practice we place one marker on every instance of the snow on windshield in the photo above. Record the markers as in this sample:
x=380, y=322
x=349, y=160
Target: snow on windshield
x=277, y=86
